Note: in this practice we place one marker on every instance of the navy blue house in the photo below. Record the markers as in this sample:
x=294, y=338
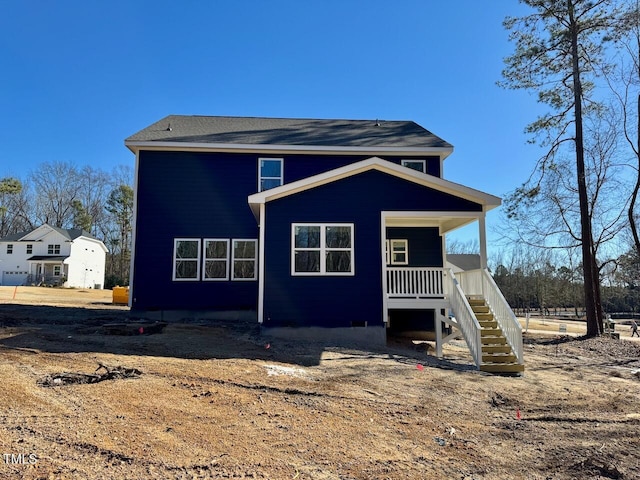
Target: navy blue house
x=312, y=227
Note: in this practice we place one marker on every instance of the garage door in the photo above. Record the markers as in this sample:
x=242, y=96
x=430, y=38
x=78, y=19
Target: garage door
x=16, y=277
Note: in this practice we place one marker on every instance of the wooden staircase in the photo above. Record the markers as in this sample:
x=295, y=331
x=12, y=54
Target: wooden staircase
x=497, y=355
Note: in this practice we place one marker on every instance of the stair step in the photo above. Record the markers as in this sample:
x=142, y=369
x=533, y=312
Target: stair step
x=490, y=332
x=496, y=349
x=488, y=323
x=502, y=367
x=476, y=302
x=493, y=340
x=484, y=316
x=480, y=309
x=499, y=358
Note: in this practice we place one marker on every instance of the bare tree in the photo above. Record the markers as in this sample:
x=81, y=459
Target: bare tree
x=56, y=186
x=557, y=51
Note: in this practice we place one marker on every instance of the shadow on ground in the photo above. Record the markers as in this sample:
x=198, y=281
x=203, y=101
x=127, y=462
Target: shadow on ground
x=56, y=329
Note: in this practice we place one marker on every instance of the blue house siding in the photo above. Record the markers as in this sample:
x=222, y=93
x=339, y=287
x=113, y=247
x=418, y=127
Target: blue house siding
x=204, y=195
x=425, y=244
x=190, y=195
x=297, y=167
x=337, y=301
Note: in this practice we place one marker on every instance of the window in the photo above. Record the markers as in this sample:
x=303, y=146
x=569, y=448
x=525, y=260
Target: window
x=53, y=249
x=399, y=252
x=270, y=173
x=56, y=270
x=419, y=165
x=322, y=249
x=9, y=248
x=216, y=259
x=29, y=249
x=186, y=259
x=244, y=259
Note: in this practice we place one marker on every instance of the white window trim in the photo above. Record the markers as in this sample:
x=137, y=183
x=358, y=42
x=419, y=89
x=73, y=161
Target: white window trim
x=197, y=259
x=29, y=247
x=53, y=249
x=233, y=259
x=260, y=177
x=422, y=162
x=392, y=251
x=205, y=259
x=323, y=250
x=57, y=268
x=10, y=249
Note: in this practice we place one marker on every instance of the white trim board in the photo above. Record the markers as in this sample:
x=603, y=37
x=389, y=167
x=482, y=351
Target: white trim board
x=487, y=201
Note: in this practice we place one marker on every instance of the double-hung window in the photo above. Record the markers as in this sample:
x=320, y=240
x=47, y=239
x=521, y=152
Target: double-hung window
x=398, y=251
x=270, y=173
x=244, y=259
x=322, y=249
x=56, y=270
x=216, y=259
x=9, y=248
x=29, y=249
x=419, y=165
x=186, y=259
x=53, y=249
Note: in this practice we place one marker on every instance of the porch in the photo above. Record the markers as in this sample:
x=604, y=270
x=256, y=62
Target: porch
x=470, y=303
x=47, y=270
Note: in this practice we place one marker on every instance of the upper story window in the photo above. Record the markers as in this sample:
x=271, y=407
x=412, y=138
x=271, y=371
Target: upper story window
x=9, y=248
x=419, y=165
x=186, y=259
x=322, y=249
x=29, y=249
x=269, y=173
x=53, y=249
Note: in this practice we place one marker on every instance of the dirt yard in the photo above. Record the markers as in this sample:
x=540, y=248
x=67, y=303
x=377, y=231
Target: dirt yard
x=220, y=401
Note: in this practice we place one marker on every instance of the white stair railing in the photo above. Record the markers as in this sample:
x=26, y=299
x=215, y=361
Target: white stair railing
x=480, y=283
x=465, y=318
x=509, y=324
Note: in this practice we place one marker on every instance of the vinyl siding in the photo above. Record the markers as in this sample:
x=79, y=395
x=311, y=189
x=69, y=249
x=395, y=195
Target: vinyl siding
x=337, y=301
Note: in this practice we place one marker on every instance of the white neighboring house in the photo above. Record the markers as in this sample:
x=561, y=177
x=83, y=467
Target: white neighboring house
x=52, y=256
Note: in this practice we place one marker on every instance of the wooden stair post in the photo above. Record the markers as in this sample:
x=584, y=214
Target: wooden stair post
x=497, y=355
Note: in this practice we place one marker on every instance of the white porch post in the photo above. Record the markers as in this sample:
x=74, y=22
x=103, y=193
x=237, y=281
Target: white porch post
x=385, y=288
x=482, y=227
x=438, y=325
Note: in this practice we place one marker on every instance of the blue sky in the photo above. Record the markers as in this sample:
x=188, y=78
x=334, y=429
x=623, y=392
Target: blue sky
x=78, y=77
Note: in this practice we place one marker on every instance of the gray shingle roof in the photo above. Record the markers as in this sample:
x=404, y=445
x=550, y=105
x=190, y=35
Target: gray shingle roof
x=289, y=131
x=464, y=261
x=70, y=233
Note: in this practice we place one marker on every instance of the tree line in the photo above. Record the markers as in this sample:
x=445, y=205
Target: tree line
x=581, y=58
x=67, y=196
x=533, y=280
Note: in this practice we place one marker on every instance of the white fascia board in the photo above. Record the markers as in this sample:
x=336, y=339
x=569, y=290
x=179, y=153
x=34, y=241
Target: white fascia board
x=135, y=147
x=487, y=201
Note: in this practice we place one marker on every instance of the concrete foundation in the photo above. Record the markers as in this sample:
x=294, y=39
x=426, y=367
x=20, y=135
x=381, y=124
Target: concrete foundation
x=335, y=336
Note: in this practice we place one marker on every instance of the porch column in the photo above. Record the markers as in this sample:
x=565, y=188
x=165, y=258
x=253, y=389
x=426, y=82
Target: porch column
x=482, y=227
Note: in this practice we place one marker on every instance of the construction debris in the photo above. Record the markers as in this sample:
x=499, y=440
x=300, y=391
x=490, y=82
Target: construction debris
x=71, y=378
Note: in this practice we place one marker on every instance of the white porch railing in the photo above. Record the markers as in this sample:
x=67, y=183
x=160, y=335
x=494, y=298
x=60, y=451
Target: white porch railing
x=415, y=282
x=480, y=283
x=466, y=319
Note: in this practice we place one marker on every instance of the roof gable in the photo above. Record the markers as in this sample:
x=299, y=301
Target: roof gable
x=214, y=132
x=45, y=229
x=487, y=201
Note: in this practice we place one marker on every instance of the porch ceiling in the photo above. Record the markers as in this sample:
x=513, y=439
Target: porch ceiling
x=444, y=223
